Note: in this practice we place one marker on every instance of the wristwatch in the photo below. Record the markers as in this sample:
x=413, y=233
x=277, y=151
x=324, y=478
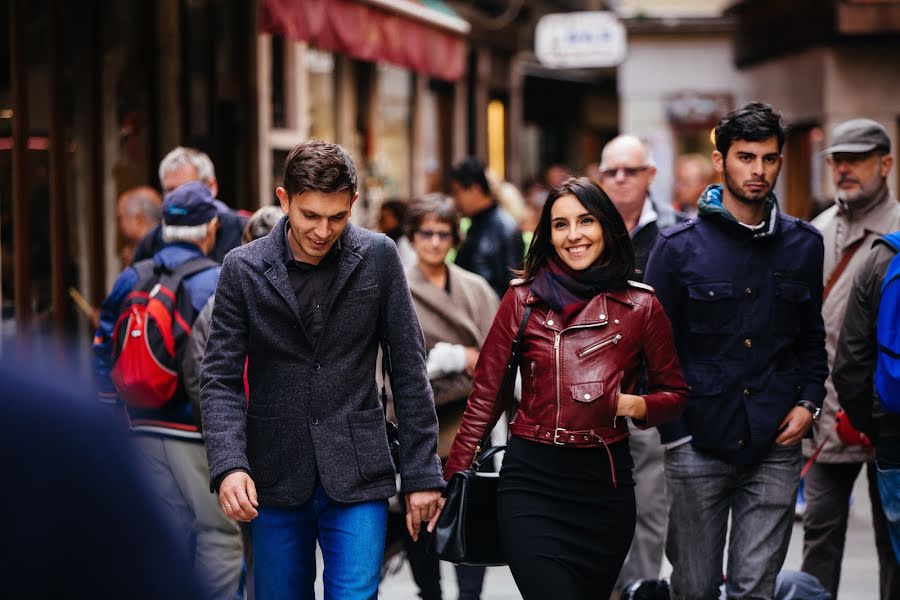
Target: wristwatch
x=814, y=410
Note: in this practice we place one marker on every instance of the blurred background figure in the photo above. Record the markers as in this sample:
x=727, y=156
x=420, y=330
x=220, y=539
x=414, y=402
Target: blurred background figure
x=456, y=309
x=493, y=247
x=626, y=172
x=555, y=174
x=259, y=225
x=138, y=210
x=390, y=222
x=85, y=521
x=693, y=172
x=178, y=167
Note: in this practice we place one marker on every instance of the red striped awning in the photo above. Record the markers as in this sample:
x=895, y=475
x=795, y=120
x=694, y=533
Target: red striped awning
x=417, y=38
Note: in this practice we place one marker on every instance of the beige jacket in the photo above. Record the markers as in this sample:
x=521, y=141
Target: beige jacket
x=841, y=229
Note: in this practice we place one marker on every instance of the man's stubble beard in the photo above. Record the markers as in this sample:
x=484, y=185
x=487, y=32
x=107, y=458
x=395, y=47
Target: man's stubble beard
x=739, y=195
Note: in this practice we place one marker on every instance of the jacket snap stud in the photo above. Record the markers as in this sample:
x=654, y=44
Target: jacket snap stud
x=571, y=438
x=585, y=438
x=548, y=434
x=616, y=321
x=602, y=316
x=550, y=322
x=587, y=396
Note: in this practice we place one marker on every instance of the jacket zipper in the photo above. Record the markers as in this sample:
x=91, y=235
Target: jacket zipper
x=602, y=344
x=533, y=387
x=556, y=355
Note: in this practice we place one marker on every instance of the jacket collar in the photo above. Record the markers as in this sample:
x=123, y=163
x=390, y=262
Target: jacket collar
x=593, y=314
x=272, y=252
x=710, y=207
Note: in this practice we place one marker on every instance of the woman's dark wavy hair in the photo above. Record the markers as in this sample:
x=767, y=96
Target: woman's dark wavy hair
x=617, y=249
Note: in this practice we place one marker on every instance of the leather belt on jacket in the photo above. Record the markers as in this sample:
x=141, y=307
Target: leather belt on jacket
x=580, y=438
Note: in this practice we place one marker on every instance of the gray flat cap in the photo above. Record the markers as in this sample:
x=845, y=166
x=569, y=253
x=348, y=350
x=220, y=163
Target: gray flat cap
x=858, y=136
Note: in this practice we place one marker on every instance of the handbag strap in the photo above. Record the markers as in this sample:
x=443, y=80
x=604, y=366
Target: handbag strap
x=509, y=378
x=386, y=370
x=841, y=266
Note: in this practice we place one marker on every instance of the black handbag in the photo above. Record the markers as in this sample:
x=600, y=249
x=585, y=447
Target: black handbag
x=467, y=531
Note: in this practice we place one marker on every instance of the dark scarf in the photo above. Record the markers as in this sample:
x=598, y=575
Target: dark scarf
x=567, y=291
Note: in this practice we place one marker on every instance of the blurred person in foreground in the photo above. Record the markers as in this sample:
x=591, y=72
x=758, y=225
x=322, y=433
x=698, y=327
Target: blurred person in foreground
x=693, y=172
x=864, y=209
x=305, y=460
x=742, y=285
x=493, y=246
x=626, y=172
x=179, y=166
x=566, y=502
x=167, y=436
x=455, y=308
x=85, y=522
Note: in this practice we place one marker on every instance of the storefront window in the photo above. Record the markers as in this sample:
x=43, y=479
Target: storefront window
x=389, y=152
x=320, y=77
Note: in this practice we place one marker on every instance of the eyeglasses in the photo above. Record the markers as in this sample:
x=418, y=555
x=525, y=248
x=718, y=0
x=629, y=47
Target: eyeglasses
x=629, y=172
x=428, y=234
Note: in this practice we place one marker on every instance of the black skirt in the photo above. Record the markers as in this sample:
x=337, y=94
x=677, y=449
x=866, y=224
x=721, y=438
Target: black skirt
x=565, y=528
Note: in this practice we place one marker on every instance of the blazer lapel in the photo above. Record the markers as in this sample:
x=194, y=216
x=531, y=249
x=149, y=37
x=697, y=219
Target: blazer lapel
x=277, y=274
x=349, y=261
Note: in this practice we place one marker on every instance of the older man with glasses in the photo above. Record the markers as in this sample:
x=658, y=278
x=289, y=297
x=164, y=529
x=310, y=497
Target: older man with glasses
x=626, y=172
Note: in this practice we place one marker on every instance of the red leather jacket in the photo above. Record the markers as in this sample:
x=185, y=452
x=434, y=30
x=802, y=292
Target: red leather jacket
x=572, y=374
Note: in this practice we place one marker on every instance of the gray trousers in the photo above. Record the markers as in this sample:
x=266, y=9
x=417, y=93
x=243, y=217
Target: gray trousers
x=179, y=474
x=645, y=555
x=827, y=490
x=704, y=492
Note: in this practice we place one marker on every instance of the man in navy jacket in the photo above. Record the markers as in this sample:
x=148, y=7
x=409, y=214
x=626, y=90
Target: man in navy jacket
x=742, y=285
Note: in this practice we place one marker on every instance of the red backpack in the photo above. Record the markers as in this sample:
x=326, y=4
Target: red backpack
x=150, y=333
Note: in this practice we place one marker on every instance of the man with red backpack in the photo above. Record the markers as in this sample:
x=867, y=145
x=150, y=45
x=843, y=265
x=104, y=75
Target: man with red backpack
x=138, y=352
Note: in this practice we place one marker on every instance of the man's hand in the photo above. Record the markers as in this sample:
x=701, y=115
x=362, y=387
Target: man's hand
x=422, y=506
x=237, y=496
x=794, y=426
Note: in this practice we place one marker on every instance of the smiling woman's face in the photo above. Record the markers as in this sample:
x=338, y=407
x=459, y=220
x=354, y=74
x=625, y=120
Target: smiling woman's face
x=576, y=234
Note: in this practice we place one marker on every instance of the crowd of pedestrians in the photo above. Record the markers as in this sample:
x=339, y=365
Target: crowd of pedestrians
x=681, y=366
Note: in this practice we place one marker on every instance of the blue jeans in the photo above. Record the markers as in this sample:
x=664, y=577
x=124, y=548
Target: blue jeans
x=703, y=490
x=351, y=537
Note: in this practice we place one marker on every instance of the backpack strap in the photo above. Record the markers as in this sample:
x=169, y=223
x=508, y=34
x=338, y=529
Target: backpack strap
x=145, y=269
x=892, y=240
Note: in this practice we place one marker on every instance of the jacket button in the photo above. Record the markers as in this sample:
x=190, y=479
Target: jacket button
x=749, y=291
x=746, y=392
x=742, y=443
x=314, y=421
x=748, y=342
x=316, y=367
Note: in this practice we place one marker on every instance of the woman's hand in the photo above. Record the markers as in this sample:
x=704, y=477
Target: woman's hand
x=632, y=406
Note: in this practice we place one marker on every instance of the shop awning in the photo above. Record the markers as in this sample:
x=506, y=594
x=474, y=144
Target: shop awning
x=423, y=35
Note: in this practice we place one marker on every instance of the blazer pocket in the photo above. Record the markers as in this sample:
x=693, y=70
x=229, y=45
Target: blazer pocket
x=361, y=293
x=370, y=443
x=263, y=449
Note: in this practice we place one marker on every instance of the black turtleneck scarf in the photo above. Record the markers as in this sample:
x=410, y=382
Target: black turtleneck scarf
x=567, y=291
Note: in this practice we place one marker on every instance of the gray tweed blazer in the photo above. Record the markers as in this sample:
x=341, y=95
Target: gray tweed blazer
x=315, y=409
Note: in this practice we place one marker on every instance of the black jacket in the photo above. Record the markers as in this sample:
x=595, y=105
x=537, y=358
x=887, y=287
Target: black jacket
x=857, y=350
x=493, y=248
x=314, y=410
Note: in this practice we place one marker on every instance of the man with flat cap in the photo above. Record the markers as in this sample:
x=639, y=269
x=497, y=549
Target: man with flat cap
x=864, y=209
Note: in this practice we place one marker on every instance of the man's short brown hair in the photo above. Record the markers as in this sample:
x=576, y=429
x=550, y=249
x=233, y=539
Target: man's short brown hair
x=318, y=166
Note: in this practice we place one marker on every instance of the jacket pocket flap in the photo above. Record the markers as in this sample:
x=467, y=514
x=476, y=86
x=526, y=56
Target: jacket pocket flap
x=587, y=392
x=792, y=291
x=710, y=292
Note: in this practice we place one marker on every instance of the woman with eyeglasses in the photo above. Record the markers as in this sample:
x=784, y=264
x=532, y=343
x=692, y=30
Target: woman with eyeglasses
x=455, y=308
x=566, y=501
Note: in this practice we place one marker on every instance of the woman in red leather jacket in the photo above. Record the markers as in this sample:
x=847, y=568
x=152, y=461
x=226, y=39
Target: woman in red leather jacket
x=566, y=496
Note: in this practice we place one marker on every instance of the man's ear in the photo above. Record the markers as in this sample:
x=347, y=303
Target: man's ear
x=213, y=186
x=887, y=161
x=718, y=162
x=283, y=199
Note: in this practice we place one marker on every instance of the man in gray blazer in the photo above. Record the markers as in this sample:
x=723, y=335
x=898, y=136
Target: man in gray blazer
x=305, y=458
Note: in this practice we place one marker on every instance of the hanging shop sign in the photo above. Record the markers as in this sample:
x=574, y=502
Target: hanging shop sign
x=580, y=40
